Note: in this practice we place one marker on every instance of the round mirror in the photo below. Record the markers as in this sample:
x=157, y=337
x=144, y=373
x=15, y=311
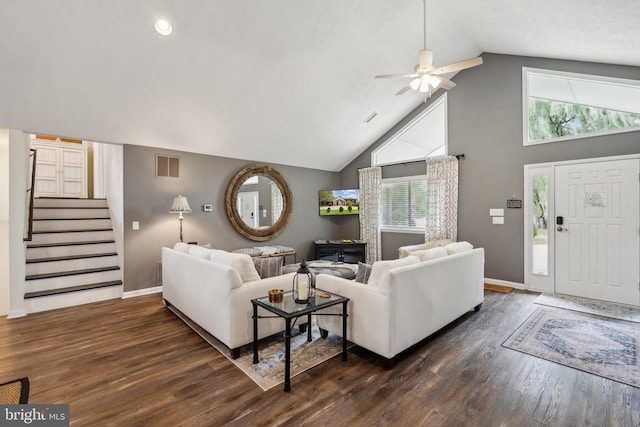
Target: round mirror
x=258, y=202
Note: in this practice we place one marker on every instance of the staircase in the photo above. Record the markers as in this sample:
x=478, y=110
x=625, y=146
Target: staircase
x=72, y=258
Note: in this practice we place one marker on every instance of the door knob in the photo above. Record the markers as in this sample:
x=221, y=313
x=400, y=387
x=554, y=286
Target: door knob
x=562, y=228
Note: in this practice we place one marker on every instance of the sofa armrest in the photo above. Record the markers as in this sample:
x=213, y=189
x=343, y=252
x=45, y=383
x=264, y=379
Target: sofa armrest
x=369, y=322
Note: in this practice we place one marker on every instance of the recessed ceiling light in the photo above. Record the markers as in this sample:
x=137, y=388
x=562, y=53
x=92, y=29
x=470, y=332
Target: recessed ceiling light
x=163, y=27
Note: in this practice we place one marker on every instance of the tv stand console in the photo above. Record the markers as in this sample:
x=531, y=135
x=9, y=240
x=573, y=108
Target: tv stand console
x=348, y=251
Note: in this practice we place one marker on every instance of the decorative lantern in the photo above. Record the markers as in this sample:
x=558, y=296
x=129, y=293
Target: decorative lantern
x=303, y=286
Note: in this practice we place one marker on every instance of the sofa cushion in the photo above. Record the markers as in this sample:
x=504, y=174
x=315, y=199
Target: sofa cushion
x=458, y=247
x=181, y=247
x=199, y=251
x=268, y=267
x=364, y=272
x=380, y=267
x=429, y=254
x=240, y=262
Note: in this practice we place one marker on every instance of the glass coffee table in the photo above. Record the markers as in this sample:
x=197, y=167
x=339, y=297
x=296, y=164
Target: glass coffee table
x=289, y=310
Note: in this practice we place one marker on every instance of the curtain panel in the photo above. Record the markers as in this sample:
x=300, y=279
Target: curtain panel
x=442, y=198
x=370, y=185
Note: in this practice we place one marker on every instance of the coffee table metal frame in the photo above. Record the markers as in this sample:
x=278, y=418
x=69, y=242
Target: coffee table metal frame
x=289, y=310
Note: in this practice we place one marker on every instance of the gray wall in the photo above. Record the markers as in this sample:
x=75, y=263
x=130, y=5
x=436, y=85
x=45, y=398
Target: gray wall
x=203, y=179
x=485, y=123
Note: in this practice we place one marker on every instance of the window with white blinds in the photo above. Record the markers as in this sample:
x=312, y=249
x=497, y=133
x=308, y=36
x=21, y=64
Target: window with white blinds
x=403, y=206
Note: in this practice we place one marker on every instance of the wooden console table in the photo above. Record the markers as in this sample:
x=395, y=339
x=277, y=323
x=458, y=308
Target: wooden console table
x=349, y=251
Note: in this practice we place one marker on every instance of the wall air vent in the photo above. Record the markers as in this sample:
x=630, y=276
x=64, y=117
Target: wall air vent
x=167, y=166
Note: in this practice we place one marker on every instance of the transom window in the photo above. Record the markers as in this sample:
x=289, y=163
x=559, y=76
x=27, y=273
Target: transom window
x=558, y=106
x=425, y=135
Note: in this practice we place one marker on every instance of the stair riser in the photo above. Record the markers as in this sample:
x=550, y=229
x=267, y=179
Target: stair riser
x=70, y=203
x=72, y=237
x=57, y=251
x=69, y=224
x=70, y=213
x=34, y=305
x=70, y=265
x=67, y=281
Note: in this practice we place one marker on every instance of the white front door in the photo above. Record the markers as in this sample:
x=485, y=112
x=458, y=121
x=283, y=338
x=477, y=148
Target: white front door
x=597, y=230
x=248, y=207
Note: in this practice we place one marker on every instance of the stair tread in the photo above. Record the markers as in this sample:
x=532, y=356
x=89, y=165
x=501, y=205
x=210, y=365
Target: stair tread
x=69, y=198
x=72, y=231
x=71, y=273
x=85, y=242
x=59, y=291
x=71, y=257
x=70, y=207
x=70, y=219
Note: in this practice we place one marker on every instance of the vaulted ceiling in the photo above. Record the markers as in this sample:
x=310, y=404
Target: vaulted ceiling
x=280, y=81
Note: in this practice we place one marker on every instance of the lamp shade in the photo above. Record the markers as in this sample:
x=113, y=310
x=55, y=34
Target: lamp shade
x=180, y=205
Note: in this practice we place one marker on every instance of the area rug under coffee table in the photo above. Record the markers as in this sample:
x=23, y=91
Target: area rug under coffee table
x=602, y=346
x=269, y=372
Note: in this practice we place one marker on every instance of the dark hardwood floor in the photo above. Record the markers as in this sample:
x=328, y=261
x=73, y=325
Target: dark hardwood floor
x=132, y=362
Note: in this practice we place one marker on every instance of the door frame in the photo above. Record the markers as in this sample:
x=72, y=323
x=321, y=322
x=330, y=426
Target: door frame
x=537, y=282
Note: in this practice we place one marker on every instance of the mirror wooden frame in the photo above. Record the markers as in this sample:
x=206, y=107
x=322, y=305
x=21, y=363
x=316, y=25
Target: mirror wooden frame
x=231, y=203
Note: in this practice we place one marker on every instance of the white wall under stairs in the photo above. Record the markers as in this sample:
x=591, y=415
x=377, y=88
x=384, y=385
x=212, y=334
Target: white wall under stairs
x=72, y=258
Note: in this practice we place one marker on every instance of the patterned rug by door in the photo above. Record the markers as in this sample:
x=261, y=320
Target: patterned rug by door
x=602, y=346
x=592, y=306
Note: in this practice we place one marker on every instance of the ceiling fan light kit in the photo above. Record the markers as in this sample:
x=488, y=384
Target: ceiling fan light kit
x=426, y=78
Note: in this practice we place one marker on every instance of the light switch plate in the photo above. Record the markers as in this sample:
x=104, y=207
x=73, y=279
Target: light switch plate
x=498, y=219
x=136, y=225
x=496, y=212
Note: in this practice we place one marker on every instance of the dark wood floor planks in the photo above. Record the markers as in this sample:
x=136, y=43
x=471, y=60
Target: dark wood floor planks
x=132, y=362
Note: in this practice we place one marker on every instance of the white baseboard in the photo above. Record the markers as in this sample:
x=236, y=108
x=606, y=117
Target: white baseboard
x=16, y=313
x=140, y=292
x=515, y=285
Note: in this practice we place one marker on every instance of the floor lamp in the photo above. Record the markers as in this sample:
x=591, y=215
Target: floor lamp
x=180, y=205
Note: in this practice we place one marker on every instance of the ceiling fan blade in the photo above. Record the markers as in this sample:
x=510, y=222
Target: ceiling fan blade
x=425, y=60
x=403, y=90
x=396, y=76
x=445, y=83
x=458, y=66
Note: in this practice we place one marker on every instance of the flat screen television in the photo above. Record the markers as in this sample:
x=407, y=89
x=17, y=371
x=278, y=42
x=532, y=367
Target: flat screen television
x=339, y=202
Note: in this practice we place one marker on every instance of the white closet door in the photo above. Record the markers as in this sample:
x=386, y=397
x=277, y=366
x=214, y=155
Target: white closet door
x=61, y=170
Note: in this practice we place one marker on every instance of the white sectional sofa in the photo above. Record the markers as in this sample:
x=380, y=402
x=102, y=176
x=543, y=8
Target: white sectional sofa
x=214, y=289
x=408, y=299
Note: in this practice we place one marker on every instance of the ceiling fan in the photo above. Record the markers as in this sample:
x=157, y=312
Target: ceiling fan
x=425, y=77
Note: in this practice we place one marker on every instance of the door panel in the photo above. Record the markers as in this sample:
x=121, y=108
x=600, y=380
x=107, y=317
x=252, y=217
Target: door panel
x=598, y=246
x=61, y=170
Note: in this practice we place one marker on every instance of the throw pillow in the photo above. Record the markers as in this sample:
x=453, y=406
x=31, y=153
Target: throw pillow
x=181, y=247
x=429, y=254
x=458, y=247
x=379, y=267
x=240, y=262
x=268, y=267
x=249, y=251
x=199, y=251
x=364, y=272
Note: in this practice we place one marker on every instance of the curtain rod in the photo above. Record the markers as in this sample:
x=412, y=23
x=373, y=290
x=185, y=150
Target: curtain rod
x=457, y=156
